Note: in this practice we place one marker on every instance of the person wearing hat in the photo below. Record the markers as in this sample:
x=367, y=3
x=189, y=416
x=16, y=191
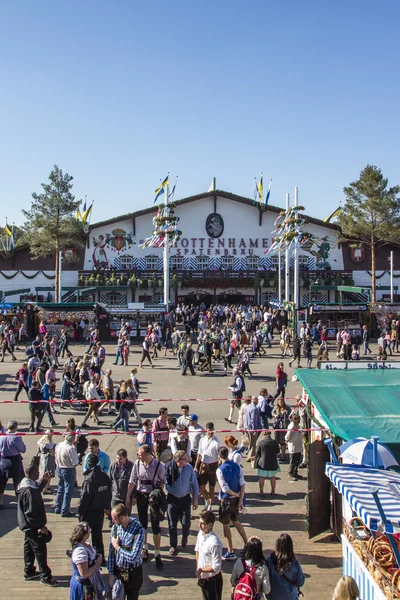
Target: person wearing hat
x=294, y=440
x=11, y=448
x=95, y=499
x=196, y=432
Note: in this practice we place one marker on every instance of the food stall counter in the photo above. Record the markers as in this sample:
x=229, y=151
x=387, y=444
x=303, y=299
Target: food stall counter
x=371, y=524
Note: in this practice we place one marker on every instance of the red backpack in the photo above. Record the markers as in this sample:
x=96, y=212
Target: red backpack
x=246, y=587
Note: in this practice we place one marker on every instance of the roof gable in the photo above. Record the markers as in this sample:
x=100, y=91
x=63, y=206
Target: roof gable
x=221, y=194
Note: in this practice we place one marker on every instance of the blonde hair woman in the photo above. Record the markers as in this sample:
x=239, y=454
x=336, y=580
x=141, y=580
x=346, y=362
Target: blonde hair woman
x=46, y=448
x=346, y=589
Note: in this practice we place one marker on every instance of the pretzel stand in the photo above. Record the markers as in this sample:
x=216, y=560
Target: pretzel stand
x=371, y=528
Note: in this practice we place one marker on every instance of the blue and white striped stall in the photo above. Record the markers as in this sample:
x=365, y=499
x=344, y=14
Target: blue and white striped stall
x=354, y=483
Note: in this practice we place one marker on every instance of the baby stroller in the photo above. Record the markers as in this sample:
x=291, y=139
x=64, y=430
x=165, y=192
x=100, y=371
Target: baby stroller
x=77, y=392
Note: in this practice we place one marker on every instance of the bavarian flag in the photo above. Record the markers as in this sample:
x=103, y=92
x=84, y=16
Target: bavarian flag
x=260, y=189
x=335, y=213
x=86, y=213
x=160, y=190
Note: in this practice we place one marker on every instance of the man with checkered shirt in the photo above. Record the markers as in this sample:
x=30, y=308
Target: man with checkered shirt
x=125, y=553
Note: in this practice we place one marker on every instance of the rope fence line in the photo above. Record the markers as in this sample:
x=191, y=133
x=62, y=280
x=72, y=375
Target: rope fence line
x=139, y=400
x=96, y=432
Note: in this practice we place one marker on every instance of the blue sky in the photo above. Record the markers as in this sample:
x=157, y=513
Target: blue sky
x=119, y=93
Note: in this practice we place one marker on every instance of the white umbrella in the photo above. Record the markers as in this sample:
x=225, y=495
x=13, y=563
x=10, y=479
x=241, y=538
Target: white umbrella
x=362, y=451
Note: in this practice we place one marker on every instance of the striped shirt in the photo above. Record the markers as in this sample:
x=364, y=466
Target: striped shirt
x=129, y=554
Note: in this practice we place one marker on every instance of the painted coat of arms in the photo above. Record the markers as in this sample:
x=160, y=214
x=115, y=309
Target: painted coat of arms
x=357, y=254
x=119, y=239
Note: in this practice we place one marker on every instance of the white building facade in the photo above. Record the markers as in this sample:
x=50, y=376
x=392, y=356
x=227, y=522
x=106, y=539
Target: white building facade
x=222, y=254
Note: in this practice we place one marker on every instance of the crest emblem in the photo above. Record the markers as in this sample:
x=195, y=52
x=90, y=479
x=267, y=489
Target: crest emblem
x=357, y=254
x=214, y=225
x=119, y=239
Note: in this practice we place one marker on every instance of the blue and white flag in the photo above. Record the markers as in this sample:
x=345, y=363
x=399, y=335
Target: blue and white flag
x=268, y=193
x=160, y=190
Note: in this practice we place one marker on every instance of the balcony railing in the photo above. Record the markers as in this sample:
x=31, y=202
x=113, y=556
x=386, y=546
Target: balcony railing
x=190, y=278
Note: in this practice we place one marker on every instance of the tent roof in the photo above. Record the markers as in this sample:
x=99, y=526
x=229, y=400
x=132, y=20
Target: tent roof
x=356, y=402
x=355, y=484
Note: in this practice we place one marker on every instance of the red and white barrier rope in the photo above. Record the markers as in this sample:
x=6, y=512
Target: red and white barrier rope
x=96, y=432
x=102, y=401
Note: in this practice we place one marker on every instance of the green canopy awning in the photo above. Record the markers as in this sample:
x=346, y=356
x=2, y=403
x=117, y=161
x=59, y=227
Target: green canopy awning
x=356, y=402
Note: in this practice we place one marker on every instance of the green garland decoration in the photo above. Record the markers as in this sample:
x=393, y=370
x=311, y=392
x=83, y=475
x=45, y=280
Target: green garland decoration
x=44, y=274
x=9, y=276
x=384, y=273
x=27, y=276
x=376, y=276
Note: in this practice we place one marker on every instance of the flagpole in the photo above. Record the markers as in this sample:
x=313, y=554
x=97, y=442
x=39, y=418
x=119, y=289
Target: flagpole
x=287, y=260
x=166, y=253
x=296, y=287
x=279, y=278
x=59, y=291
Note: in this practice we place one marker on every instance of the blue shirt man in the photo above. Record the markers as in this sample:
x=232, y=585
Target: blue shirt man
x=231, y=481
x=104, y=459
x=253, y=417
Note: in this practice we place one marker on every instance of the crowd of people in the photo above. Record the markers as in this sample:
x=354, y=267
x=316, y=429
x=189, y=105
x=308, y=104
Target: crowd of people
x=155, y=488
x=180, y=464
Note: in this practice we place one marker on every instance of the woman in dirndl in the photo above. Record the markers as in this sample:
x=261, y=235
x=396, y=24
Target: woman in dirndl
x=86, y=582
x=47, y=463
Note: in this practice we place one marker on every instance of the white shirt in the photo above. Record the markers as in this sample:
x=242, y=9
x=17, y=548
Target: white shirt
x=66, y=456
x=208, y=449
x=182, y=420
x=174, y=444
x=294, y=439
x=209, y=548
x=91, y=392
x=195, y=435
x=236, y=456
x=222, y=483
x=33, y=364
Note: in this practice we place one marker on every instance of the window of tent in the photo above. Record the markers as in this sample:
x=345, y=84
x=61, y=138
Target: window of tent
x=113, y=298
x=275, y=261
x=151, y=263
x=303, y=260
x=227, y=262
x=177, y=262
x=126, y=262
x=202, y=263
x=253, y=262
x=316, y=297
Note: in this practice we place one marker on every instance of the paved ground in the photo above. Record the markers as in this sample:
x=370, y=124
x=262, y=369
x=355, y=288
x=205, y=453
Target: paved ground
x=266, y=517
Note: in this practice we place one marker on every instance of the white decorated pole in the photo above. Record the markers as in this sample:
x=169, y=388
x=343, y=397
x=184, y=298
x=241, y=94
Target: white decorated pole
x=296, y=278
x=391, y=278
x=59, y=290
x=287, y=260
x=166, y=255
x=279, y=277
